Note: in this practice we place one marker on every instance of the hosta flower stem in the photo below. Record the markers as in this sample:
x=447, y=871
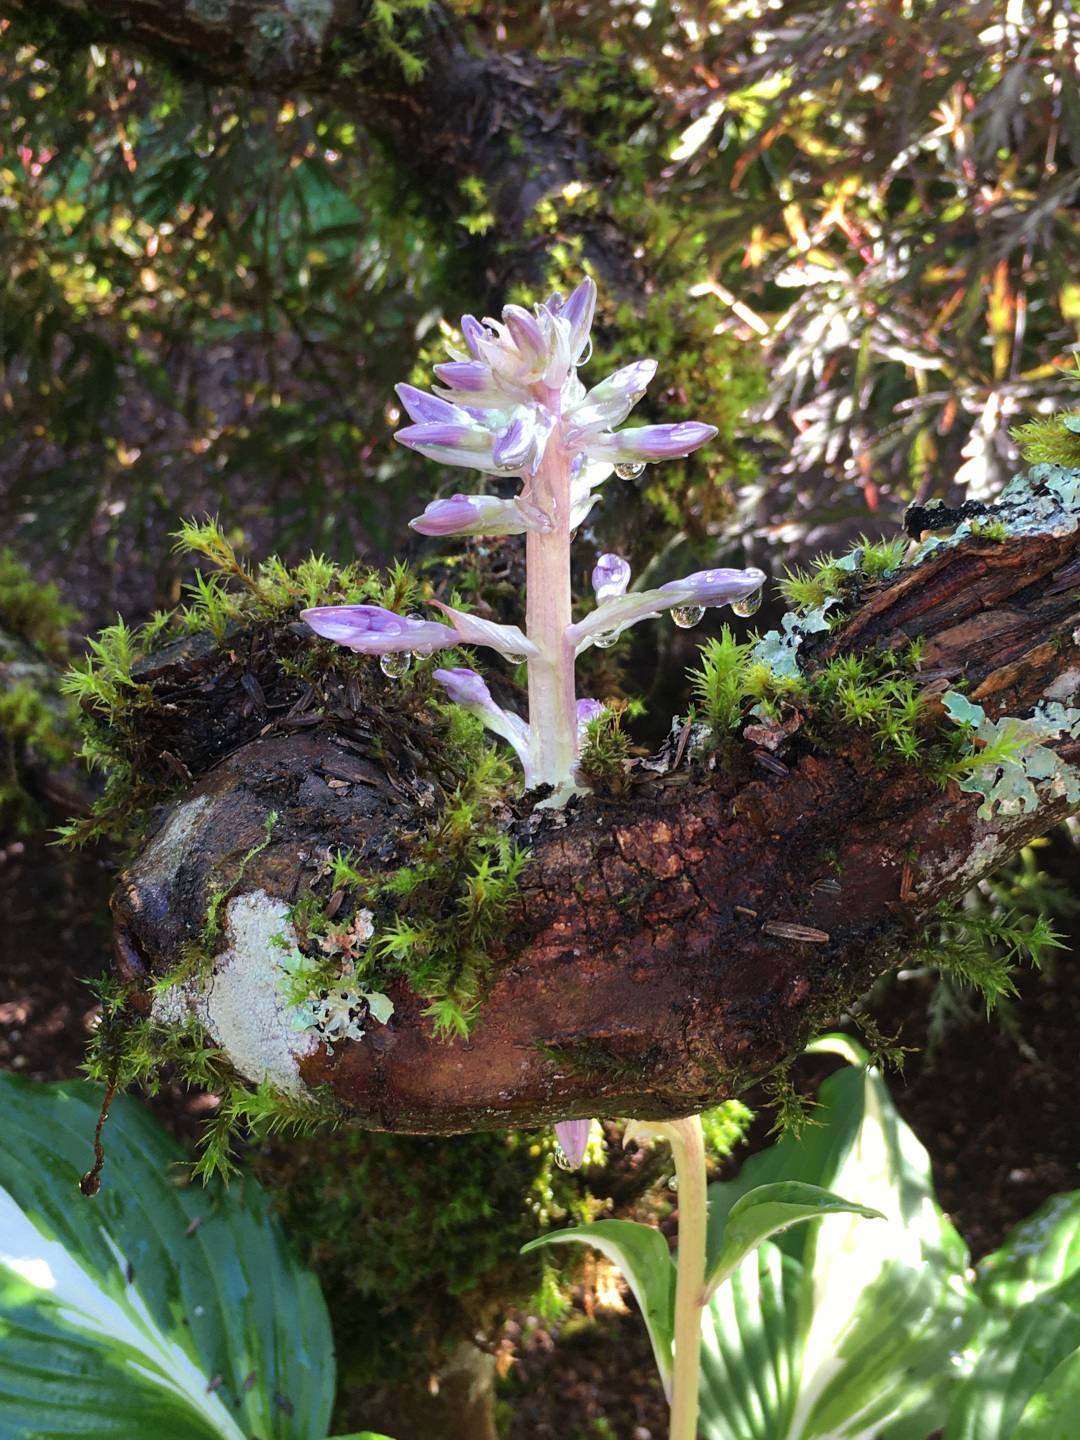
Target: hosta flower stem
x=688, y=1145
x=552, y=695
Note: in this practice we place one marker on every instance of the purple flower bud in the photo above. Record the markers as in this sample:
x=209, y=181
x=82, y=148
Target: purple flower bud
x=645, y=443
x=578, y=312
x=610, y=576
x=609, y=403
x=714, y=587
x=514, y=445
x=587, y=712
x=464, y=374
x=526, y=334
x=464, y=687
x=445, y=436
x=467, y=689
x=573, y=1138
x=371, y=630
x=554, y=302
x=480, y=515
x=428, y=409
x=473, y=332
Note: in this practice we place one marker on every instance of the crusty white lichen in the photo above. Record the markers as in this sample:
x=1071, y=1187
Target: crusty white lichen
x=245, y=1005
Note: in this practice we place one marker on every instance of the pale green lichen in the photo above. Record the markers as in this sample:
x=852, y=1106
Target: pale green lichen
x=1013, y=770
x=778, y=650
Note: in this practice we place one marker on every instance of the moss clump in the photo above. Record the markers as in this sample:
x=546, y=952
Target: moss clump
x=147, y=701
x=34, y=610
x=1054, y=441
x=607, y=747
x=151, y=730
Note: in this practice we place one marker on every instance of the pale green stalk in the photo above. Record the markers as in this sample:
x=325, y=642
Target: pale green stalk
x=689, y=1153
x=688, y=1148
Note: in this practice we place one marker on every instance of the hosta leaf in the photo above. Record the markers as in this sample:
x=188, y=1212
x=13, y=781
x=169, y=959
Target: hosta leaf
x=880, y=1309
x=157, y=1308
x=1024, y=1371
x=1040, y=1252
x=642, y=1254
x=769, y=1209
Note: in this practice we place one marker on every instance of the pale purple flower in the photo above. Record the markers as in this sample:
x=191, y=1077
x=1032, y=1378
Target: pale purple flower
x=479, y=515
x=371, y=630
x=511, y=403
x=573, y=1138
x=467, y=689
x=508, y=640
x=703, y=587
x=610, y=402
x=610, y=576
x=713, y=587
x=648, y=443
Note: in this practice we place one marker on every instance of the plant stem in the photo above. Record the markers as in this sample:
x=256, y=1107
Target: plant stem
x=552, y=693
x=688, y=1147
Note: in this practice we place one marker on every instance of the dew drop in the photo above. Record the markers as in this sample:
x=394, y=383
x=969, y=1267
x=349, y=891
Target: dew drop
x=687, y=616
x=395, y=663
x=560, y=1159
x=513, y=658
x=606, y=639
x=629, y=469
x=749, y=604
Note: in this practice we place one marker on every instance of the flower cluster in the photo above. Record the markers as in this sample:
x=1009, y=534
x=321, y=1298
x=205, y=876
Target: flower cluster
x=511, y=404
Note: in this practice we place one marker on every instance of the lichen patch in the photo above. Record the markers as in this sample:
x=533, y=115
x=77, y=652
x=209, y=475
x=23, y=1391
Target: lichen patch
x=242, y=1009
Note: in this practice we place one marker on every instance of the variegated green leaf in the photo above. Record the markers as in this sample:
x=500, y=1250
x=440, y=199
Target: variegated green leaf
x=642, y=1254
x=766, y=1211
x=881, y=1312
x=157, y=1308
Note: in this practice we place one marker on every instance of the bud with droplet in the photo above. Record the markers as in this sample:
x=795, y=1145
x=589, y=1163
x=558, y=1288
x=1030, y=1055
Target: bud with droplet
x=687, y=616
x=749, y=604
x=395, y=663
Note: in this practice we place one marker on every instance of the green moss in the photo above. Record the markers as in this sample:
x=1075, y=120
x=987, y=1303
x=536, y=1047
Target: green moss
x=232, y=604
x=1053, y=441
x=36, y=723
x=34, y=610
x=607, y=747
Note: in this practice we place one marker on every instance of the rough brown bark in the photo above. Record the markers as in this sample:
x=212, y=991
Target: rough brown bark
x=474, y=114
x=644, y=973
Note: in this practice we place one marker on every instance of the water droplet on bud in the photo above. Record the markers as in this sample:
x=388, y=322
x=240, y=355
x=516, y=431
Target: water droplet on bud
x=395, y=663
x=629, y=469
x=560, y=1159
x=514, y=658
x=687, y=616
x=750, y=604
x=606, y=639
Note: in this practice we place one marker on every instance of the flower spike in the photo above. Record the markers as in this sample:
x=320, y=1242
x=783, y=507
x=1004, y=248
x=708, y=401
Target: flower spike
x=510, y=402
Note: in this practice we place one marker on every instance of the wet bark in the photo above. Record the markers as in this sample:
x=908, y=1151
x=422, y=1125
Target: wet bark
x=474, y=114
x=651, y=967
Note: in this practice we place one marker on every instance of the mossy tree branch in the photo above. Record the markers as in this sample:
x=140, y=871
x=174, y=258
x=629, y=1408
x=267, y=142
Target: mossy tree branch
x=675, y=940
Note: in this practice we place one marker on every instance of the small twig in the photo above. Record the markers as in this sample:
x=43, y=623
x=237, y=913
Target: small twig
x=90, y=1183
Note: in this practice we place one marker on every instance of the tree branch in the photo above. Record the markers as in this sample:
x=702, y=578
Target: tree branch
x=670, y=946
x=472, y=114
